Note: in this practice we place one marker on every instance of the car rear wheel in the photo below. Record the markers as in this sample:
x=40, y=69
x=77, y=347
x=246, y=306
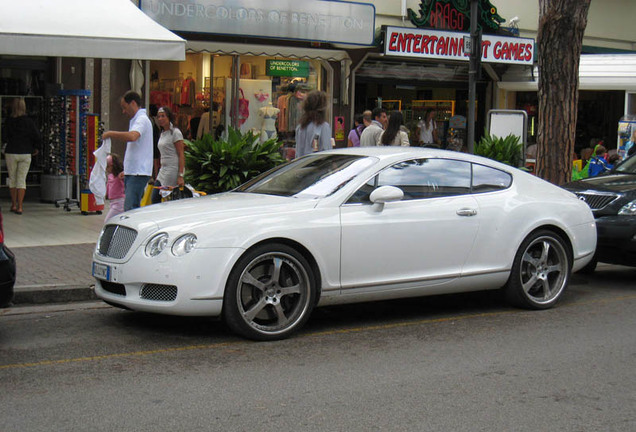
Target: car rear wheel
x=270, y=293
x=541, y=271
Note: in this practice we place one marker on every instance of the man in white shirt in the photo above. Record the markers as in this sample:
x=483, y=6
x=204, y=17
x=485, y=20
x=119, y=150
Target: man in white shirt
x=370, y=136
x=138, y=155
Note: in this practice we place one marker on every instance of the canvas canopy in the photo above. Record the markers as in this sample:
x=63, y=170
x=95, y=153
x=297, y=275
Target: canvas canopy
x=113, y=29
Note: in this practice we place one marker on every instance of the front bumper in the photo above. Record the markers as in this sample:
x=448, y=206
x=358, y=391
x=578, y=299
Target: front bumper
x=616, y=240
x=191, y=285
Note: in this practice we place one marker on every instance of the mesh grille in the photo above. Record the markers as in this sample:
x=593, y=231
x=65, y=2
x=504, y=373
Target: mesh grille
x=116, y=241
x=114, y=288
x=158, y=292
x=596, y=200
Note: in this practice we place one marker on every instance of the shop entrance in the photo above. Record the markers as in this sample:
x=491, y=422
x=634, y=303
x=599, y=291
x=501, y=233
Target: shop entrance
x=414, y=89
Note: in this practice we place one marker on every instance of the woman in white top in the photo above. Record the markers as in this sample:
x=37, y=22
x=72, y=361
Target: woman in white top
x=427, y=131
x=172, y=157
x=393, y=135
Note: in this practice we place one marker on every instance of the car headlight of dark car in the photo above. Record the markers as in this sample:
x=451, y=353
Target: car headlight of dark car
x=628, y=209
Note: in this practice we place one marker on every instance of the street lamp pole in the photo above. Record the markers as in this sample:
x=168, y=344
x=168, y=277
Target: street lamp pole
x=473, y=70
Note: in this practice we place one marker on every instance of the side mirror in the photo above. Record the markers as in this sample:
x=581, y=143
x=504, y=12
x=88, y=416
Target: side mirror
x=385, y=194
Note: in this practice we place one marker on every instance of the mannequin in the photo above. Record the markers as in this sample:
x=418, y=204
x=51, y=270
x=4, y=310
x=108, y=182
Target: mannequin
x=268, y=114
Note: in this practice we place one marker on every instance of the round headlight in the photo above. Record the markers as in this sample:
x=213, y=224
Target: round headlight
x=157, y=244
x=184, y=244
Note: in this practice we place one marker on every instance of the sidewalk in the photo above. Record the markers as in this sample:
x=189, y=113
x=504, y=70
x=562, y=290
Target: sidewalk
x=53, y=249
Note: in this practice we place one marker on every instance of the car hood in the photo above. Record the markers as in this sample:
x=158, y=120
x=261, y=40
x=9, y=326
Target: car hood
x=618, y=183
x=195, y=211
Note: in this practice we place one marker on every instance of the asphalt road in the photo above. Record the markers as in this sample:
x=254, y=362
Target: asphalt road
x=447, y=363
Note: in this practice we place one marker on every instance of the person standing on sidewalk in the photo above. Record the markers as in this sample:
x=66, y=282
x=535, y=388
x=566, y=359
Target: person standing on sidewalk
x=23, y=141
x=138, y=160
x=115, y=189
x=370, y=136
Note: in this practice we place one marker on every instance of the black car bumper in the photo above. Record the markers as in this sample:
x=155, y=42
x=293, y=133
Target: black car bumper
x=616, y=240
x=7, y=275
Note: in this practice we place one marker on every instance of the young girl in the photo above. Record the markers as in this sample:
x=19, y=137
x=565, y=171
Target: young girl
x=115, y=185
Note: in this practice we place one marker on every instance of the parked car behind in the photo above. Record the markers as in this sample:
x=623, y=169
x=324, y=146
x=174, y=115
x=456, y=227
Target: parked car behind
x=7, y=270
x=612, y=198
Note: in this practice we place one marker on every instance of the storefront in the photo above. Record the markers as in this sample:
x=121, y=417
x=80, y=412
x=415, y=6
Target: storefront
x=607, y=92
x=415, y=70
x=56, y=55
x=247, y=65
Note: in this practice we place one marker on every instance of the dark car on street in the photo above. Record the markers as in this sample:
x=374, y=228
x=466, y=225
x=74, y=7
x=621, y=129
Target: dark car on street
x=7, y=270
x=612, y=198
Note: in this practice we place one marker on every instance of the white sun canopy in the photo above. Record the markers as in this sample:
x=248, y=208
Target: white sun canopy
x=596, y=72
x=111, y=29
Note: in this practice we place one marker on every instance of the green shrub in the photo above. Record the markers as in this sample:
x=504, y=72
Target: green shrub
x=219, y=166
x=508, y=150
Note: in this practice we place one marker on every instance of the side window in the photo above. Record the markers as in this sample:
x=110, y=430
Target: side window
x=486, y=179
x=421, y=178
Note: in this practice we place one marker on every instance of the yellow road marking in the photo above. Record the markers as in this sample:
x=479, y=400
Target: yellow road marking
x=323, y=333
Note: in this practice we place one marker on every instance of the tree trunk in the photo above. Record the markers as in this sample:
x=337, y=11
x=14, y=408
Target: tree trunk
x=561, y=27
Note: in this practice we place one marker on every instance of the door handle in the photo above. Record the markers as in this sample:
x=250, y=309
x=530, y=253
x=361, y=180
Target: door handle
x=466, y=212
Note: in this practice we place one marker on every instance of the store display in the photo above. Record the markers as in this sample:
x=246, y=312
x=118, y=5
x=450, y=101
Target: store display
x=73, y=135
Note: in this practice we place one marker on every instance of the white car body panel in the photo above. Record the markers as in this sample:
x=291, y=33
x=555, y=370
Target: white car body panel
x=362, y=252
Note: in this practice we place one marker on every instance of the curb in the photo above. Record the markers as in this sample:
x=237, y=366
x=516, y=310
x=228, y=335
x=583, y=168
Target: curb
x=46, y=294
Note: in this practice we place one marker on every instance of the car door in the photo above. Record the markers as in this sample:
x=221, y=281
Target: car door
x=423, y=239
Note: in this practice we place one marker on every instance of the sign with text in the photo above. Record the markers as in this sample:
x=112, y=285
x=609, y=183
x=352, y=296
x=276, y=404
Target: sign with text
x=313, y=20
x=435, y=44
x=287, y=68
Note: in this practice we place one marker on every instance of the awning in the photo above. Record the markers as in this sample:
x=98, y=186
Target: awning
x=265, y=50
x=113, y=29
x=596, y=72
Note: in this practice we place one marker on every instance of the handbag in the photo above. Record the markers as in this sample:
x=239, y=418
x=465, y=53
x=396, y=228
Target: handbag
x=147, y=198
x=244, y=108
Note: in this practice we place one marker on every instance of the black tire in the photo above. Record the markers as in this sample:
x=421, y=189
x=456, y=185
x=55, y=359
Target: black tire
x=270, y=293
x=540, y=272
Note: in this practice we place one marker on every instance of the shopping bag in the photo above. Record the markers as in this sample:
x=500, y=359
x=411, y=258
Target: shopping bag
x=244, y=108
x=147, y=198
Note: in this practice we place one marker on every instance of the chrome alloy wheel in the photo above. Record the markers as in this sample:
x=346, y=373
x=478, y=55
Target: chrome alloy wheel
x=544, y=270
x=273, y=294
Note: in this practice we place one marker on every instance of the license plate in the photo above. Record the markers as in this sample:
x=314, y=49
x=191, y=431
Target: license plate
x=101, y=271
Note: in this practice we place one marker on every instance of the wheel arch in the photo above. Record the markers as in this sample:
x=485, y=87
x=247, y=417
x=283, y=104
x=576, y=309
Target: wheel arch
x=561, y=233
x=301, y=249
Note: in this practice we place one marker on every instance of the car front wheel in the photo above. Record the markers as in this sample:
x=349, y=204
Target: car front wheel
x=270, y=293
x=540, y=273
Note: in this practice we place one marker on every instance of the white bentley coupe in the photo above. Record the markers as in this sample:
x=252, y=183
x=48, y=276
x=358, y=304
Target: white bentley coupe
x=344, y=226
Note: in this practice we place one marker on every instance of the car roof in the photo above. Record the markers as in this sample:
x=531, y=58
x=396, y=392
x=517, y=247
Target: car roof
x=399, y=152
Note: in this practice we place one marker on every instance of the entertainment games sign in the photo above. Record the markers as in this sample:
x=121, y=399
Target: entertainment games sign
x=313, y=20
x=444, y=45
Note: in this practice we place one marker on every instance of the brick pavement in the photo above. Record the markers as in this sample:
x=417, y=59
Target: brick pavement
x=63, y=265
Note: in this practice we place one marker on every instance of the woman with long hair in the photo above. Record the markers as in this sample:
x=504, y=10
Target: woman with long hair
x=393, y=135
x=313, y=133
x=23, y=140
x=427, y=130
x=172, y=162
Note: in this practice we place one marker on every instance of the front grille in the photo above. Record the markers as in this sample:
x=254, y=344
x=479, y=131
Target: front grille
x=116, y=241
x=596, y=200
x=114, y=288
x=158, y=292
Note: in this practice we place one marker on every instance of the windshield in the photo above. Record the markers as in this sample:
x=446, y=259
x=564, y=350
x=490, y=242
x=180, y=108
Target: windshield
x=313, y=176
x=628, y=166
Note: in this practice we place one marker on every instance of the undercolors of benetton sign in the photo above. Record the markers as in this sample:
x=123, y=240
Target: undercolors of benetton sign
x=314, y=20
x=287, y=68
x=434, y=44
